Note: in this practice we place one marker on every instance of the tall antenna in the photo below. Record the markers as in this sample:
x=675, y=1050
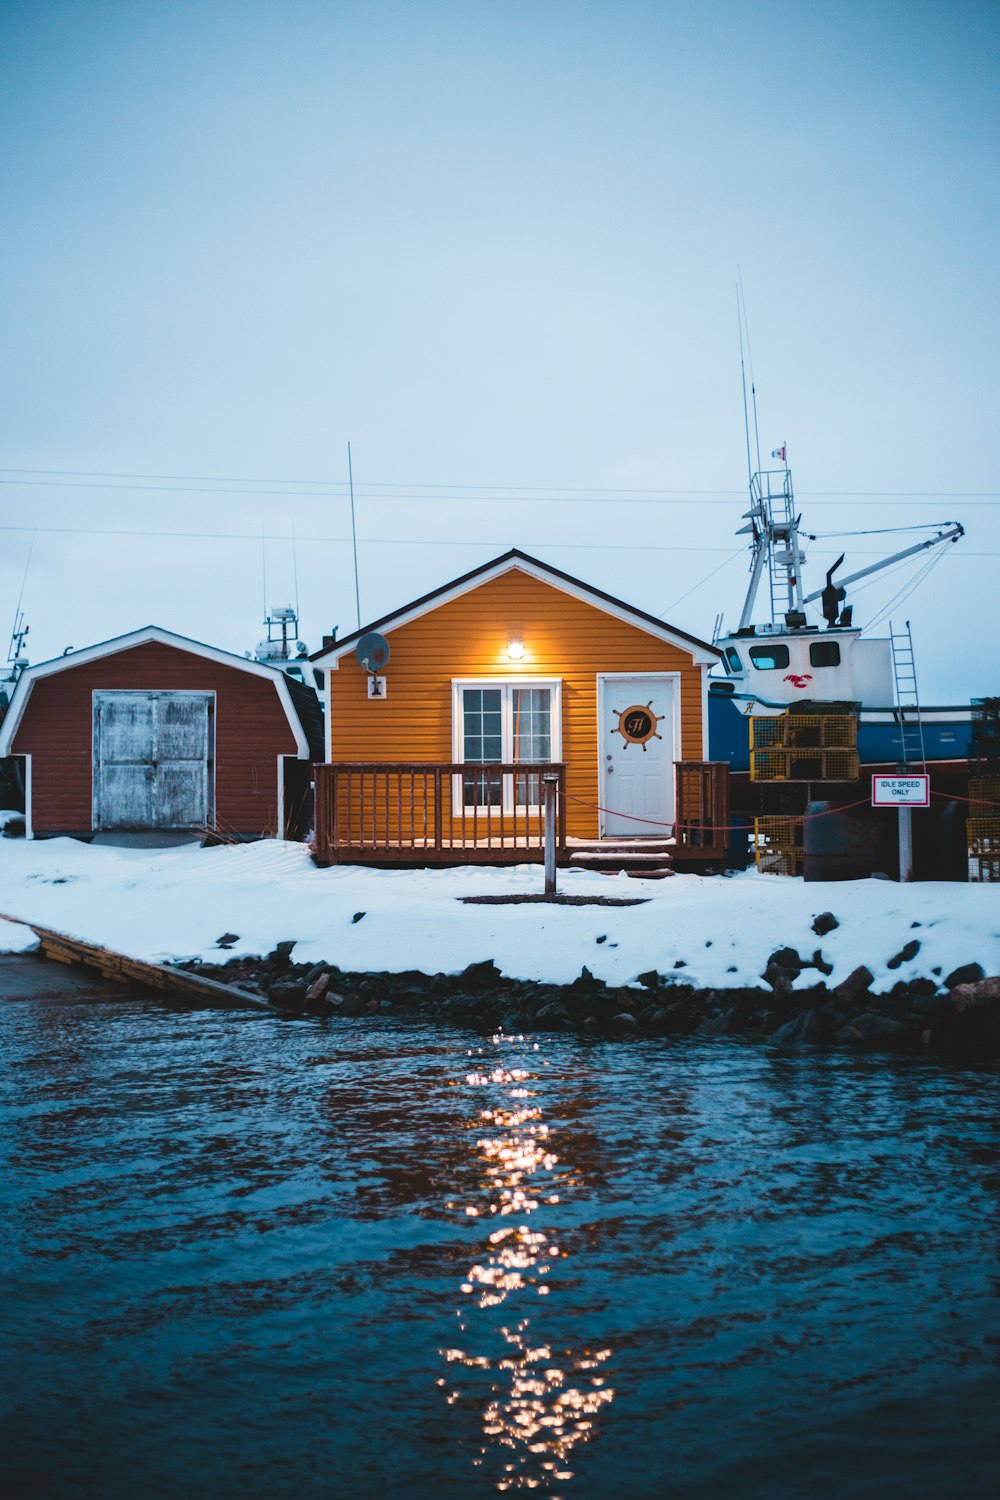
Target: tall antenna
x=753, y=387
x=263, y=567
x=743, y=378
x=295, y=572
x=354, y=537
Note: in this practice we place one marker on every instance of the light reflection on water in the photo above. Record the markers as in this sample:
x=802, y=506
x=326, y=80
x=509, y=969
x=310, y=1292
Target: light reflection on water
x=539, y=1401
x=233, y=1251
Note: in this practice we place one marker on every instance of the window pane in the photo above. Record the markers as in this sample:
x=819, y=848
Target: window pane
x=481, y=789
x=532, y=715
x=482, y=724
x=769, y=657
x=824, y=654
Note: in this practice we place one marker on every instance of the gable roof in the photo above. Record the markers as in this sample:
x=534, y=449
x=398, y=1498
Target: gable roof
x=155, y=635
x=516, y=560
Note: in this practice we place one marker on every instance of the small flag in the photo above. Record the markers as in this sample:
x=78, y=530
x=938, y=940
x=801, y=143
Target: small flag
x=779, y=453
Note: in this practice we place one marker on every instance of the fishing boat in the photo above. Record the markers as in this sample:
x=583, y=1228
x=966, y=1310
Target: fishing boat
x=788, y=661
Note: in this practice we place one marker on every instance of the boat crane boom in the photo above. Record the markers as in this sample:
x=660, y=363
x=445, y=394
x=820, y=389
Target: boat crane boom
x=952, y=534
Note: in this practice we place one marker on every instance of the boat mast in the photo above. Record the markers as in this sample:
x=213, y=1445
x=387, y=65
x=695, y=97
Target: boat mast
x=774, y=527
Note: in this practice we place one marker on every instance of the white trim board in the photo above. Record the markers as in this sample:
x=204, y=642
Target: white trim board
x=576, y=589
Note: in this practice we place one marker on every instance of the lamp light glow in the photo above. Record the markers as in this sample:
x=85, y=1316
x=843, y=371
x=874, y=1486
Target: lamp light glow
x=515, y=648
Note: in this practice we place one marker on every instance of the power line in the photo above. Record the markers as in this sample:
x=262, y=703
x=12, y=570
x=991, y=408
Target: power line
x=414, y=489
x=399, y=541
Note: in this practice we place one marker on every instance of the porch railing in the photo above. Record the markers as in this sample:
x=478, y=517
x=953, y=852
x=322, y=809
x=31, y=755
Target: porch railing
x=434, y=812
x=702, y=802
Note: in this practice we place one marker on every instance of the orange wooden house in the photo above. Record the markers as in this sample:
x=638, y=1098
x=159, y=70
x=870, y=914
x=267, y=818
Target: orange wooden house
x=510, y=673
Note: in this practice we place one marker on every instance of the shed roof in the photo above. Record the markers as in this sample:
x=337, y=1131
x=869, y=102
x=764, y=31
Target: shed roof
x=301, y=715
x=510, y=561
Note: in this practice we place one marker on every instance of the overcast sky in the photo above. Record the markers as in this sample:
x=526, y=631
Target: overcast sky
x=495, y=246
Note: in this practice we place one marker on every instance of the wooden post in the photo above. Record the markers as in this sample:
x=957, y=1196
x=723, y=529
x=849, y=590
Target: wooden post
x=550, y=781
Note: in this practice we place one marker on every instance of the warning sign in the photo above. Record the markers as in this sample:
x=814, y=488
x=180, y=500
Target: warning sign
x=901, y=791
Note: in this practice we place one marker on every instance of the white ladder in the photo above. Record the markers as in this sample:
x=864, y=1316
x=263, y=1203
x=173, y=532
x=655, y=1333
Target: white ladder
x=911, y=729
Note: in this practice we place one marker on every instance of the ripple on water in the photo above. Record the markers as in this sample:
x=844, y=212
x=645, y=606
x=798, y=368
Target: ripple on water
x=245, y=1256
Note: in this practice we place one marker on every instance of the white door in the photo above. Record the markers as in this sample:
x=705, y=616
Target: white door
x=152, y=760
x=637, y=730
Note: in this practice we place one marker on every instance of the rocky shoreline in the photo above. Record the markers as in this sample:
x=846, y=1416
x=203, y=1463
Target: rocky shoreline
x=957, y=1014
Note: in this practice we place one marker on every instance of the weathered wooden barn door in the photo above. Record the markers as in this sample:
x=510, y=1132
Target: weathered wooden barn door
x=152, y=760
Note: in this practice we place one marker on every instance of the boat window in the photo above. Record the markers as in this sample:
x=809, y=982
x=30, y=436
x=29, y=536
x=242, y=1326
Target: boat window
x=824, y=653
x=733, y=658
x=769, y=658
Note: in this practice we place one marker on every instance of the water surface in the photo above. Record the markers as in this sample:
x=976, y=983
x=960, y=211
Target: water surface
x=244, y=1256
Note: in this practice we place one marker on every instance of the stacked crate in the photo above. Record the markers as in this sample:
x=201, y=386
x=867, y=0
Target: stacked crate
x=778, y=845
x=798, y=746
x=983, y=825
x=788, y=753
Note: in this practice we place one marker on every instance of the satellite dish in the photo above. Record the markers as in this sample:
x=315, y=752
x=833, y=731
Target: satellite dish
x=372, y=651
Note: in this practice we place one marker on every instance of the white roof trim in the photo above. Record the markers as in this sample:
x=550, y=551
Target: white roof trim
x=330, y=660
x=148, y=635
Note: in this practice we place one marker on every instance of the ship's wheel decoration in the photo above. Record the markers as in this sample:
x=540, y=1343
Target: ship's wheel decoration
x=637, y=724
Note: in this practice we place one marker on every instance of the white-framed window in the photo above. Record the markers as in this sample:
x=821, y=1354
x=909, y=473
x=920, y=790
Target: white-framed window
x=507, y=721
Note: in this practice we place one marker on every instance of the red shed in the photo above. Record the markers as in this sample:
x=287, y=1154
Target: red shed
x=155, y=731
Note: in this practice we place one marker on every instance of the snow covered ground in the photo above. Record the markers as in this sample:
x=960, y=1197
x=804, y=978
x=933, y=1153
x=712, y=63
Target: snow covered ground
x=169, y=904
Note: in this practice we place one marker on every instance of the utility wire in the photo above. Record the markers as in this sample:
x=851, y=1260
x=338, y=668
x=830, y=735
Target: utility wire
x=410, y=489
x=403, y=541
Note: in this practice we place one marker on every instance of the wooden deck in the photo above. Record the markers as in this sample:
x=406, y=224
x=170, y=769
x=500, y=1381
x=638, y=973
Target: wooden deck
x=397, y=813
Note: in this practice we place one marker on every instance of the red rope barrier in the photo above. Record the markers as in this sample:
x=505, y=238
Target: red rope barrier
x=725, y=828
x=954, y=797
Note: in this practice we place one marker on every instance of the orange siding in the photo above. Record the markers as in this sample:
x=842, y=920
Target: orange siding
x=564, y=638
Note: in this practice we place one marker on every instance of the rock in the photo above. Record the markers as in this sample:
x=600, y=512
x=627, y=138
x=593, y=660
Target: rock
x=909, y=950
x=358, y=915
x=227, y=940
x=279, y=958
x=780, y=979
x=964, y=974
x=14, y=828
x=796, y=1031
x=787, y=959
x=711, y=1026
x=854, y=986
x=319, y=987
x=680, y=1017
x=287, y=994
x=680, y=963
x=586, y=981
x=873, y=1029
x=602, y=939
x=820, y=963
x=650, y=979
x=624, y=1022
x=824, y=923
x=553, y=1012
x=983, y=995
x=479, y=976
